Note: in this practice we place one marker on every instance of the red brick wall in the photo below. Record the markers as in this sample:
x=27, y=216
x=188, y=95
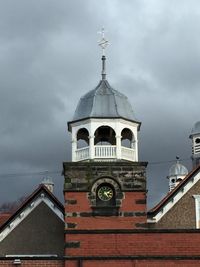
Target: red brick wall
x=136, y=263
x=82, y=204
x=33, y=263
x=135, y=244
x=113, y=222
x=144, y=245
x=129, y=204
x=73, y=263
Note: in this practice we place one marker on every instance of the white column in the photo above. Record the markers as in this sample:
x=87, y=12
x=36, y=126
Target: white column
x=91, y=147
x=197, y=202
x=136, y=150
x=74, y=148
x=118, y=144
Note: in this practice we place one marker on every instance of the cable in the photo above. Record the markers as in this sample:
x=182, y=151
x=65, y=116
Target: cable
x=167, y=161
x=11, y=175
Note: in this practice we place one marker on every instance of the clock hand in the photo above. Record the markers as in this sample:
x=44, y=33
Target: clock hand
x=106, y=193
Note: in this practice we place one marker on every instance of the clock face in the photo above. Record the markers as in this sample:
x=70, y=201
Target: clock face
x=105, y=193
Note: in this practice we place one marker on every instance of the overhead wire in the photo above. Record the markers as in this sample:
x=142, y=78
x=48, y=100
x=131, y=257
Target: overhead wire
x=167, y=161
x=42, y=173
x=46, y=173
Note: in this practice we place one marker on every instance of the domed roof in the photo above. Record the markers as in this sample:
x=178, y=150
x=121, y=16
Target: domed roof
x=178, y=170
x=196, y=128
x=104, y=102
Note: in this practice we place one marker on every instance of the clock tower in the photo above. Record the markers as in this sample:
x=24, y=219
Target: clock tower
x=105, y=184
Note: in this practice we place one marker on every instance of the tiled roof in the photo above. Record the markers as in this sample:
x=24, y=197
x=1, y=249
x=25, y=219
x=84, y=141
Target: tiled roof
x=4, y=217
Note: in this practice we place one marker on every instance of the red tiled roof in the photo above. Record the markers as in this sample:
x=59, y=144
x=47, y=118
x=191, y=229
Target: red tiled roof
x=174, y=191
x=4, y=217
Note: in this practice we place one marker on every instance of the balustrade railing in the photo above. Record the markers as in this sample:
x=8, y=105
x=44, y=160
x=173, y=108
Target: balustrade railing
x=128, y=153
x=105, y=152
x=82, y=153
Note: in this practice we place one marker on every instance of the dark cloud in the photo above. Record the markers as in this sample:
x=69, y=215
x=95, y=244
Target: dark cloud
x=49, y=58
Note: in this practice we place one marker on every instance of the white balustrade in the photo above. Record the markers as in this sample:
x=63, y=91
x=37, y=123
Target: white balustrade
x=128, y=153
x=105, y=152
x=82, y=153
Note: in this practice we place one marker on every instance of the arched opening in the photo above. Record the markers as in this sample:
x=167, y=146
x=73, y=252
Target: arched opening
x=197, y=140
x=104, y=135
x=82, y=138
x=127, y=138
x=173, y=180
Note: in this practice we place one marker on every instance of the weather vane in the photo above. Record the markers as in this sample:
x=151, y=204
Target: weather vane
x=103, y=43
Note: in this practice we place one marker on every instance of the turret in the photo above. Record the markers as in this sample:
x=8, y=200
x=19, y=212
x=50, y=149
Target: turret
x=195, y=137
x=104, y=127
x=177, y=173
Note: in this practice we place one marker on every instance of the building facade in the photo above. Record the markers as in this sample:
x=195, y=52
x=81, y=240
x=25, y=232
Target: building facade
x=104, y=220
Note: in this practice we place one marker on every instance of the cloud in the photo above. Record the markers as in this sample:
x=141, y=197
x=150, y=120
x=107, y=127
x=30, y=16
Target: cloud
x=49, y=58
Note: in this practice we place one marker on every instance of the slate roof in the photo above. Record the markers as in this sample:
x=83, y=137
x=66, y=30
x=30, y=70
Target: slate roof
x=196, y=128
x=104, y=102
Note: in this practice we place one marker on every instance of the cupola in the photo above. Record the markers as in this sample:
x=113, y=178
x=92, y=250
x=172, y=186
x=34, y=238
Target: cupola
x=104, y=127
x=195, y=137
x=177, y=173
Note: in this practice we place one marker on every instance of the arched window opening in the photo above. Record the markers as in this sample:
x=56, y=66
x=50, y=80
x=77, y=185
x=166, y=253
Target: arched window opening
x=197, y=140
x=127, y=138
x=104, y=135
x=82, y=138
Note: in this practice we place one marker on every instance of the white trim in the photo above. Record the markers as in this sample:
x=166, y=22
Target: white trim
x=27, y=210
x=172, y=201
x=197, y=207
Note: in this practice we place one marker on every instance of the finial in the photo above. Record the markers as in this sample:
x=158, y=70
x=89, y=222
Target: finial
x=103, y=43
x=177, y=159
x=47, y=181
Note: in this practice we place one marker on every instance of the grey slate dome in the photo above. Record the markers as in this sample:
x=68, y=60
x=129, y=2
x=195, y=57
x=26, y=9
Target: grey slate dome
x=178, y=170
x=104, y=102
x=196, y=128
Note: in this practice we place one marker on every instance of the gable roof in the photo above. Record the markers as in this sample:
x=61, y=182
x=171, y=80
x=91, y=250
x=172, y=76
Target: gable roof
x=41, y=194
x=172, y=197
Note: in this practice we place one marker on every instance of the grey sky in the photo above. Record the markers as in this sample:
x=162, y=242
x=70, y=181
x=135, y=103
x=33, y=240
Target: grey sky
x=49, y=57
